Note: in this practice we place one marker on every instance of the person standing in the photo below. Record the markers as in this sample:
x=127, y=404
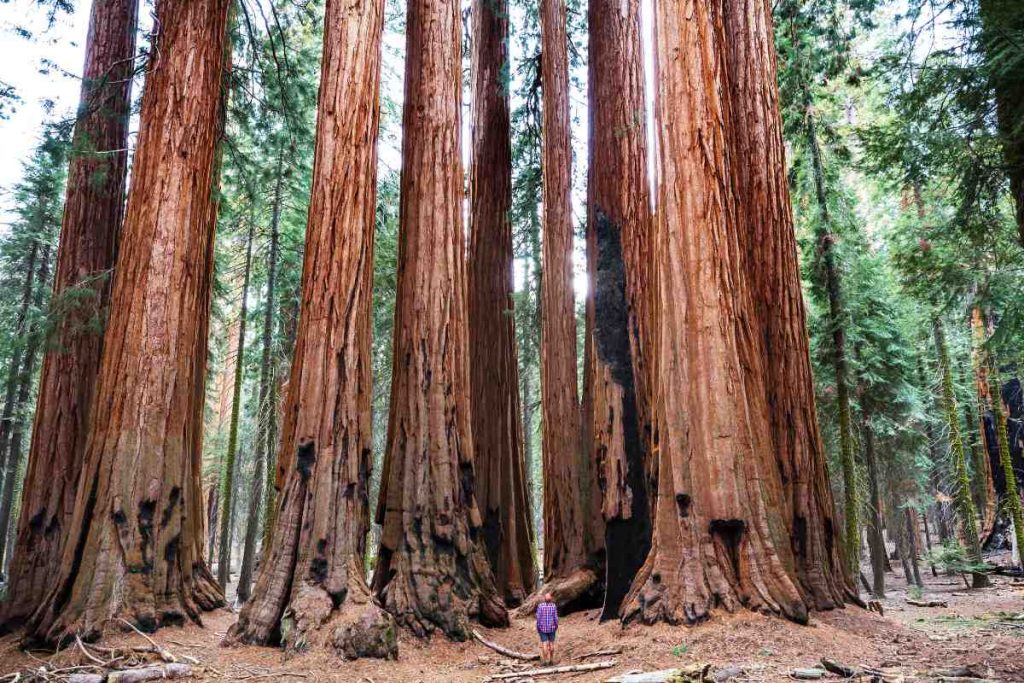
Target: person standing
x=547, y=627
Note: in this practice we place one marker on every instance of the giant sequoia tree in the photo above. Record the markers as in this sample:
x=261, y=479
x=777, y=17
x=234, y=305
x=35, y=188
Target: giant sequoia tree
x=311, y=585
x=432, y=571
x=569, y=539
x=619, y=305
x=92, y=216
x=494, y=374
x=722, y=537
x=134, y=548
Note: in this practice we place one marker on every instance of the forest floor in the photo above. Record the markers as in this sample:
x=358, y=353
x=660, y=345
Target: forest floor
x=982, y=629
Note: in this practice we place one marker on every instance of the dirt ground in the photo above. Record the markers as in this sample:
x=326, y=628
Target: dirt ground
x=983, y=629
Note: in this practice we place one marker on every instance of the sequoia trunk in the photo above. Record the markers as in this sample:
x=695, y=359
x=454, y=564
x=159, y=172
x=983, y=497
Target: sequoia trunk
x=93, y=209
x=766, y=231
x=569, y=570
x=620, y=294
x=135, y=543
x=494, y=375
x=720, y=539
x=311, y=587
x=432, y=570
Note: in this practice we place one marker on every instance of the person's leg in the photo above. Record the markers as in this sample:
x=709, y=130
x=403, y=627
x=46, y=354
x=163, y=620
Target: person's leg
x=551, y=650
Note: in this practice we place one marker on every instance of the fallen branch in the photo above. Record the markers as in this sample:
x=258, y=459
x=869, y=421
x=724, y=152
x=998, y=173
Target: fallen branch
x=502, y=650
x=552, y=670
x=600, y=653
x=927, y=603
x=160, y=652
x=694, y=673
x=145, y=673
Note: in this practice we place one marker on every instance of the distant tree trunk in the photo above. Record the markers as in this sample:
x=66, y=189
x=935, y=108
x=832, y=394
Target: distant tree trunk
x=569, y=571
x=876, y=541
x=765, y=220
x=432, y=570
x=910, y=517
x=494, y=375
x=93, y=208
x=266, y=413
x=1013, y=505
x=227, y=476
x=620, y=297
x=14, y=367
x=311, y=587
x=26, y=378
x=961, y=486
x=934, y=473
x=837, y=323
x=720, y=536
x=982, y=484
x=1002, y=23
x=135, y=544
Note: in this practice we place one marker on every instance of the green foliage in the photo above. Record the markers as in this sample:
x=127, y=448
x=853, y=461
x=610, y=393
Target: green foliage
x=951, y=556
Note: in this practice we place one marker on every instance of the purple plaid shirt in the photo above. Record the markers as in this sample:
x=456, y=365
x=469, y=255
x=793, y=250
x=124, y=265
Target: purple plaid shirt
x=547, y=617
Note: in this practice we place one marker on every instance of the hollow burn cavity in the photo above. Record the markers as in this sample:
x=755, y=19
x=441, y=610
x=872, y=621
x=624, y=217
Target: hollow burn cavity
x=729, y=534
x=683, y=505
x=173, y=498
x=305, y=458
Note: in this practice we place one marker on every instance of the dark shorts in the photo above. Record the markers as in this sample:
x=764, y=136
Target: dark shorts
x=547, y=637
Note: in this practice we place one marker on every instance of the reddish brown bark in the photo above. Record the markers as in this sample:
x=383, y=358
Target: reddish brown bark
x=432, y=571
x=765, y=227
x=311, y=587
x=494, y=374
x=720, y=539
x=619, y=301
x=568, y=534
x=135, y=544
x=93, y=209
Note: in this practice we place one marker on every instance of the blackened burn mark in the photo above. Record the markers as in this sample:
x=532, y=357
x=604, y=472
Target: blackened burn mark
x=35, y=524
x=174, y=497
x=305, y=458
x=800, y=535
x=147, y=508
x=683, y=504
x=64, y=593
x=628, y=540
x=171, y=550
x=318, y=566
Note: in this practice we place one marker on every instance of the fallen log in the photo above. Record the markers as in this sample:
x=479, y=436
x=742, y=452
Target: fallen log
x=502, y=650
x=808, y=674
x=552, y=670
x=145, y=673
x=600, y=653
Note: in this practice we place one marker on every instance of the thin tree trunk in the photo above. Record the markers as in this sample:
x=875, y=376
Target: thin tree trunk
x=1013, y=505
x=620, y=297
x=26, y=377
x=432, y=571
x=135, y=549
x=311, y=587
x=494, y=375
x=569, y=570
x=928, y=540
x=836, y=321
x=93, y=209
x=983, y=485
x=876, y=542
x=912, y=544
x=766, y=230
x=14, y=368
x=720, y=539
x=228, y=483
x=961, y=486
x=265, y=412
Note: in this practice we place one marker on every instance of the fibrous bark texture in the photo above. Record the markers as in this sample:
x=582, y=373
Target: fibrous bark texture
x=494, y=374
x=721, y=536
x=135, y=543
x=432, y=570
x=620, y=296
x=311, y=587
x=93, y=209
x=569, y=541
x=765, y=226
